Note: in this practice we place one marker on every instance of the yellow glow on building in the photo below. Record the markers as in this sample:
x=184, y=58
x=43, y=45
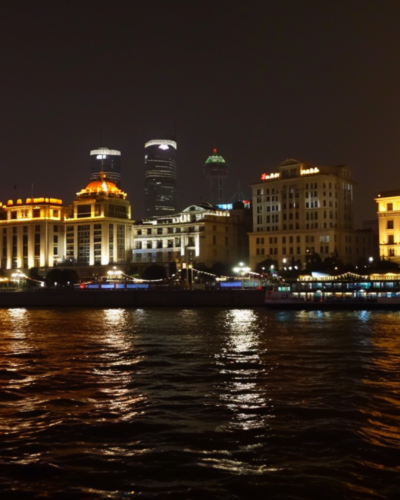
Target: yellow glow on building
x=389, y=224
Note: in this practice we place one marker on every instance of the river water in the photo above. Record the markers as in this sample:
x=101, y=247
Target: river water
x=199, y=404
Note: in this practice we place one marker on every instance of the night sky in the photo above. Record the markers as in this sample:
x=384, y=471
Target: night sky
x=314, y=80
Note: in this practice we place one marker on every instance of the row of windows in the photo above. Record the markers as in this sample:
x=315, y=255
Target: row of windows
x=172, y=230
x=25, y=229
x=27, y=213
x=312, y=185
x=309, y=250
x=284, y=239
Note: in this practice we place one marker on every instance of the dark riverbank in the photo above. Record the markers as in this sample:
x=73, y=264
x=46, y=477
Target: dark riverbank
x=133, y=298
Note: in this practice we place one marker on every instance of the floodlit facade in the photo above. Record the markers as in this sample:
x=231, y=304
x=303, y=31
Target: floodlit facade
x=107, y=161
x=160, y=177
x=389, y=224
x=199, y=234
x=216, y=170
x=32, y=233
x=98, y=226
x=96, y=230
x=302, y=210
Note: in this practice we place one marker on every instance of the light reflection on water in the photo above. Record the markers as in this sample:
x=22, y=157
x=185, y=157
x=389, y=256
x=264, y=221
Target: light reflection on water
x=385, y=389
x=212, y=403
x=240, y=360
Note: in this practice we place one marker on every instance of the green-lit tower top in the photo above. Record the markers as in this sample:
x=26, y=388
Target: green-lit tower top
x=216, y=169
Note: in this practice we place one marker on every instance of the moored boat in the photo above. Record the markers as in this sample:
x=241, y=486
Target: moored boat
x=348, y=291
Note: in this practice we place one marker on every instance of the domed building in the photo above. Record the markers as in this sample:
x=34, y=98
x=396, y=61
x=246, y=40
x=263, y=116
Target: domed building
x=98, y=225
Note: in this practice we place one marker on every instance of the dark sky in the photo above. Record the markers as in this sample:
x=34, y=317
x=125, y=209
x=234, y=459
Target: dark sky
x=260, y=81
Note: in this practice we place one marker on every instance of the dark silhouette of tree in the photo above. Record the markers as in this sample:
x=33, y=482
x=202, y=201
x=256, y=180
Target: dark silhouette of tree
x=154, y=272
x=385, y=266
x=314, y=262
x=221, y=269
x=35, y=280
x=63, y=277
x=266, y=264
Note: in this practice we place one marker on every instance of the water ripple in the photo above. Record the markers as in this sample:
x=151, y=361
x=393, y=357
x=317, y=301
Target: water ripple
x=205, y=403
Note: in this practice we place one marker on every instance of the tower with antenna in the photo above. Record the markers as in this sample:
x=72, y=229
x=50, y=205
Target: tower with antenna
x=216, y=170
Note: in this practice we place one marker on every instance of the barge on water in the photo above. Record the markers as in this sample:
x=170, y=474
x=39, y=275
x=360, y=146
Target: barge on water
x=347, y=291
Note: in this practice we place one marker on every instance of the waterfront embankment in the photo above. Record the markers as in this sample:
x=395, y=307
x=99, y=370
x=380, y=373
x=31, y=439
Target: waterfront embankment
x=133, y=298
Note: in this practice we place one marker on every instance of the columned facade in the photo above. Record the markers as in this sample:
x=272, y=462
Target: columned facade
x=199, y=234
x=32, y=233
x=96, y=230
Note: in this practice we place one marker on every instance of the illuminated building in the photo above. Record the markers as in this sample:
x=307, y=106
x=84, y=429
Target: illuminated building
x=302, y=210
x=389, y=224
x=98, y=225
x=107, y=161
x=160, y=177
x=199, y=234
x=215, y=169
x=32, y=233
x=95, y=230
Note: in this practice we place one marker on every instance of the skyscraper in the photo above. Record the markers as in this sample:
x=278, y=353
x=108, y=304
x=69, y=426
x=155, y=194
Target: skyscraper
x=215, y=169
x=160, y=177
x=107, y=161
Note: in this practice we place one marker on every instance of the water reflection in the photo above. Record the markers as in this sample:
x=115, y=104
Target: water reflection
x=116, y=364
x=240, y=364
x=379, y=428
x=18, y=322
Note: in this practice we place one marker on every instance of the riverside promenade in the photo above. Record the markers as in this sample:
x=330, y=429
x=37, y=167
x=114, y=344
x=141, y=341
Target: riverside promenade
x=132, y=298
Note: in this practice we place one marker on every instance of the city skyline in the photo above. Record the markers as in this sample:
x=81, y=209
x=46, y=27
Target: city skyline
x=261, y=83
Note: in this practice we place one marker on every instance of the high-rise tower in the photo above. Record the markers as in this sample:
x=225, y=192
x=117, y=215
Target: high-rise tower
x=107, y=161
x=160, y=177
x=215, y=169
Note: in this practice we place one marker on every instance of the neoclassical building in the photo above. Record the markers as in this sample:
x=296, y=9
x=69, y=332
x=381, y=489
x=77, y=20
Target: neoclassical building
x=96, y=230
x=98, y=226
x=32, y=233
x=199, y=234
x=300, y=210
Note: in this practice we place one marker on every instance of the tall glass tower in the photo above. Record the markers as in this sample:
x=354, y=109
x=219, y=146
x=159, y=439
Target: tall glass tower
x=160, y=177
x=107, y=161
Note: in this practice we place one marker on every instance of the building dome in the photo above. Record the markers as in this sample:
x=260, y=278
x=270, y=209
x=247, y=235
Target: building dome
x=101, y=187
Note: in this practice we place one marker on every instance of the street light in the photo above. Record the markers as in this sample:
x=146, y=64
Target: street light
x=242, y=269
x=114, y=273
x=18, y=276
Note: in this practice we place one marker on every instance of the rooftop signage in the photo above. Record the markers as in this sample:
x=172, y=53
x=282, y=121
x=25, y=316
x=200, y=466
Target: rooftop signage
x=309, y=171
x=265, y=177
